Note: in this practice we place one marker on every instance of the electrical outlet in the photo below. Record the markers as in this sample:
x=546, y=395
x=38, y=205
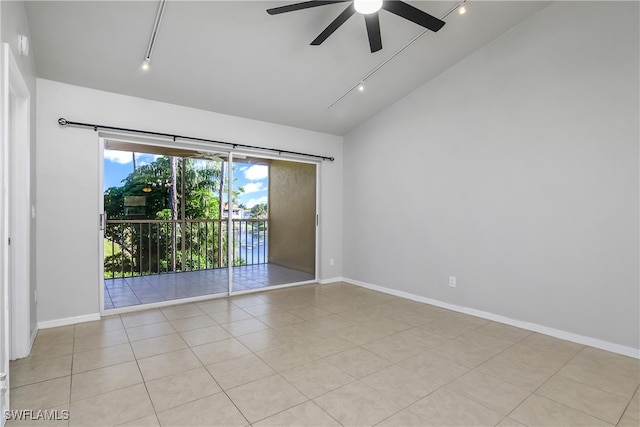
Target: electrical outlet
x=332, y=261
x=452, y=281
x=35, y=296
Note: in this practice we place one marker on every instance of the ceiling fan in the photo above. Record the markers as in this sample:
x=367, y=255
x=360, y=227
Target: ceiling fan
x=370, y=9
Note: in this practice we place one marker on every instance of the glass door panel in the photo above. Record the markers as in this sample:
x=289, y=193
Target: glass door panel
x=164, y=232
x=274, y=223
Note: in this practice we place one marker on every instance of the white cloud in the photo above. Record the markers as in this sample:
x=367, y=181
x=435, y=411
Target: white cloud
x=252, y=202
x=122, y=157
x=256, y=172
x=254, y=187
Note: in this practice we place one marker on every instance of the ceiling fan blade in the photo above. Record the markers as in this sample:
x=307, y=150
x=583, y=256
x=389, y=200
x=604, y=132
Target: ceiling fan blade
x=300, y=6
x=373, y=30
x=413, y=14
x=341, y=19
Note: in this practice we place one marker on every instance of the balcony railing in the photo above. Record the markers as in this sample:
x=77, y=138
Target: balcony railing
x=145, y=247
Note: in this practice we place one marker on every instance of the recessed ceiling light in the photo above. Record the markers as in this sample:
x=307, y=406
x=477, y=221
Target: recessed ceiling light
x=462, y=10
x=361, y=87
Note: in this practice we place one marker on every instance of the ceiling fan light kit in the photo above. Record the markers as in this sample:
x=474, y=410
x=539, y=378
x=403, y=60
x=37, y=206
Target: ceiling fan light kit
x=367, y=6
x=370, y=10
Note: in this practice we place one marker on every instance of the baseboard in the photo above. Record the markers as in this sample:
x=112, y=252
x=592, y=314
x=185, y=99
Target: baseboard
x=331, y=280
x=557, y=333
x=68, y=321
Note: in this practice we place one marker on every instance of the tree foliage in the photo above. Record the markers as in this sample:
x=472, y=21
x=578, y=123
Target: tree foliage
x=259, y=211
x=153, y=247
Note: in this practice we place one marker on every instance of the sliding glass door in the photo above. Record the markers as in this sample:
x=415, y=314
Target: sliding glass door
x=182, y=224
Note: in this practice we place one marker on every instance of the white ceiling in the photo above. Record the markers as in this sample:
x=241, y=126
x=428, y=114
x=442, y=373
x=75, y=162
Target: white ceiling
x=232, y=57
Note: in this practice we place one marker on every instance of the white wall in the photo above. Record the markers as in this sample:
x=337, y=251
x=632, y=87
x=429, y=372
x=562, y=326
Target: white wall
x=515, y=171
x=68, y=189
x=14, y=22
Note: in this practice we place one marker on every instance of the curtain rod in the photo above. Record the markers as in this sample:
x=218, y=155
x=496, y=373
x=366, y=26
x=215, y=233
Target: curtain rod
x=65, y=122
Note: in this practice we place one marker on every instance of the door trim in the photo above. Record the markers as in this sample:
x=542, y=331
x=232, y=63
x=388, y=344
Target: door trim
x=16, y=123
x=105, y=136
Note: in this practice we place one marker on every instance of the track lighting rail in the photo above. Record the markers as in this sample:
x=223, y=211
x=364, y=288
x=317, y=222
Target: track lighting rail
x=64, y=122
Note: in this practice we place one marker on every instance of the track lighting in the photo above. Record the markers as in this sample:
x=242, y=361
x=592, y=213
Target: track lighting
x=154, y=33
x=360, y=85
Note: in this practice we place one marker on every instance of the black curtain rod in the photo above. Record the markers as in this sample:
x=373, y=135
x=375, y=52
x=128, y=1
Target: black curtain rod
x=65, y=122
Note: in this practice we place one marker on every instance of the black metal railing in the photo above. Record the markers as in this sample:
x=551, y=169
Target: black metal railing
x=145, y=247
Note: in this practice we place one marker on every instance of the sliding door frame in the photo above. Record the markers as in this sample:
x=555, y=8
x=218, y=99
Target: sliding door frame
x=104, y=137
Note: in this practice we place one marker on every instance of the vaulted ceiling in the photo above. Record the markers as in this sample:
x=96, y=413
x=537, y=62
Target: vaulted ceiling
x=232, y=57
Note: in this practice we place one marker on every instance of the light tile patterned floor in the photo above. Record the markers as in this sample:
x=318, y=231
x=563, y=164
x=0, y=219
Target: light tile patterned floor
x=319, y=355
x=130, y=291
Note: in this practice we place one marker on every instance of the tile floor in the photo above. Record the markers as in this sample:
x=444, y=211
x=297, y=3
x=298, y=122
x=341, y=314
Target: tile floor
x=131, y=291
x=319, y=355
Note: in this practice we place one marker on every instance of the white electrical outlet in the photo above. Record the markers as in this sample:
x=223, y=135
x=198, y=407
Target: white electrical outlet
x=452, y=281
x=332, y=261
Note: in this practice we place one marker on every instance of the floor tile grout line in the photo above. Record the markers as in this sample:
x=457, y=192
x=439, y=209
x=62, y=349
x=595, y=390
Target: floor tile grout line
x=446, y=340
x=476, y=367
x=585, y=347
x=155, y=413
x=226, y=394
x=624, y=411
x=553, y=400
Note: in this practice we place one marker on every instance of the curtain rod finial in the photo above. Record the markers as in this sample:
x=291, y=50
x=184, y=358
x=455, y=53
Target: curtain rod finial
x=62, y=121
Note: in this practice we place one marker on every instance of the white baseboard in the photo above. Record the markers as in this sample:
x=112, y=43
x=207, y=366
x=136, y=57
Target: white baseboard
x=331, y=280
x=68, y=321
x=557, y=333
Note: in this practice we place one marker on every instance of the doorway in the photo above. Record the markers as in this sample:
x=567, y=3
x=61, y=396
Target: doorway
x=15, y=199
x=187, y=224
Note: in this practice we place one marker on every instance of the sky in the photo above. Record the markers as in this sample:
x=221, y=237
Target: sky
x=254, y=178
